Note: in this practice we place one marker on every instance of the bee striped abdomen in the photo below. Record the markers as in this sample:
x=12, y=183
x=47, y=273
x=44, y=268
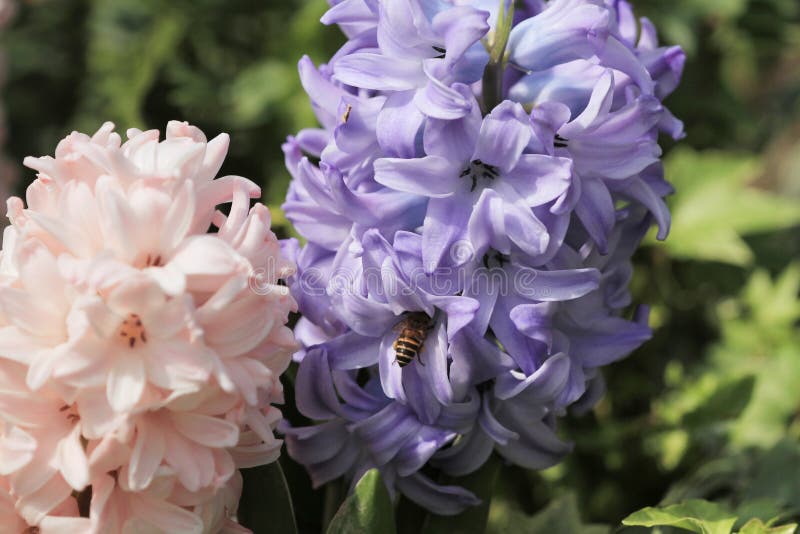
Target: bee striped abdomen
x=406, y=349
x=408, y=345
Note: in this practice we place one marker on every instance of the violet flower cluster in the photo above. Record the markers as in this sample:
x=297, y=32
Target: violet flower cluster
x=482, y=175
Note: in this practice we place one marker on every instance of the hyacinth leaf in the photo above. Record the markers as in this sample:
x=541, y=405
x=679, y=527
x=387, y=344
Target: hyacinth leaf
x=777, y=475
x=481, y=483
x=139, y=35
x=367, y=510
x=727, y=402
x=561, y=516
x=715, y=206
x=266, y=505
x=756, y=526
x=694, y=515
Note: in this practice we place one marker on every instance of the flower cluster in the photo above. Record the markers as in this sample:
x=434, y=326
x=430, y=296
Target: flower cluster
x=483, y=173
x=139, y=360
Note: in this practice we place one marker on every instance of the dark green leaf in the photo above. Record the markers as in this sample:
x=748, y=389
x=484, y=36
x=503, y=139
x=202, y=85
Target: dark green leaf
x=266, y=505
x=368, y=510
x=727, y=402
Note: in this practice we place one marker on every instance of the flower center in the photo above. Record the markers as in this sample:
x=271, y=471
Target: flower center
x=478, y=169
x=31, y=530
x=132, y=330
x=153, y=260
x=494, y=259
x=70, y=413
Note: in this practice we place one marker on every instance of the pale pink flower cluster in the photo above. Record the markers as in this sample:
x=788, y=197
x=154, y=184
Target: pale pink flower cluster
x=138, y=360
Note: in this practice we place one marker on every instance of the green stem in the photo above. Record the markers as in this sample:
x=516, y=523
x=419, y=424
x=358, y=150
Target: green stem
x=493, y=75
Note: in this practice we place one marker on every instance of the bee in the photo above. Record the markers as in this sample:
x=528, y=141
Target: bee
x=346, y=114
x=413, y=330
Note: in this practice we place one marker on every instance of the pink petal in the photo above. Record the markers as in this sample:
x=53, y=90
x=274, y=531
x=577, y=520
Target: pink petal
x=206, y=430
x=35, y=506
x=72, y=460
x=165, y=516
x=148, y=452
x=126, y=382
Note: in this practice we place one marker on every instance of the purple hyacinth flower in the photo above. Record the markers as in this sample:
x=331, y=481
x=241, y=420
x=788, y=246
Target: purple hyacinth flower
x=387, y=285
x=504, y=236
x=423, y=49
x=477, y=176
x=360, y=428
x=566, y=30
x=354, y=17
x=323, y=206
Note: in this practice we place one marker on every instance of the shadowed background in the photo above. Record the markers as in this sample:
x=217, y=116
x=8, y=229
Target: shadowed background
x=710, y=408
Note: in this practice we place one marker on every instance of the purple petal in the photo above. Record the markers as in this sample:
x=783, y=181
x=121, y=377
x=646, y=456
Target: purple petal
x=385, y=432
x=352, y=351
x=455, y=139
x=504, y=134
x=416, y=453
x=535, y=453
x=460, y=312
x=608, y=340
x=475, y=360
x=561, y=33
x=442, y=101
x=390, y=372
x=316, y=395
x=419, y=396
x=445, y=222
x=350, y=12
x=365, y=316
x=595, y=209
x=541, y=386
x=553, y=286
x=315, y=444
x=375, y=71
x=493, y=428
x=324, y=94
x=466, y=455
x=398, y=125
x=434, y=370
x=535, y=321
x=616, y=55
x=540, y=179
x=442, y=500
x=461, y=27
x=597, y=108
x=431, y=176
x=486, y=228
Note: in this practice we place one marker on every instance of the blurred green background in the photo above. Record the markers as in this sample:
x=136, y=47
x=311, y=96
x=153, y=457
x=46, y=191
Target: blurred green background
x=709, y=409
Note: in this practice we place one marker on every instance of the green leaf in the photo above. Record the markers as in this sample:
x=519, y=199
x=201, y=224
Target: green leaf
x=695, y=515
x=367, y=510
x=714, y=206
x=756, y=526
x=727, y=402
x=561, y=516
x=474, y=519
x=266, y=505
